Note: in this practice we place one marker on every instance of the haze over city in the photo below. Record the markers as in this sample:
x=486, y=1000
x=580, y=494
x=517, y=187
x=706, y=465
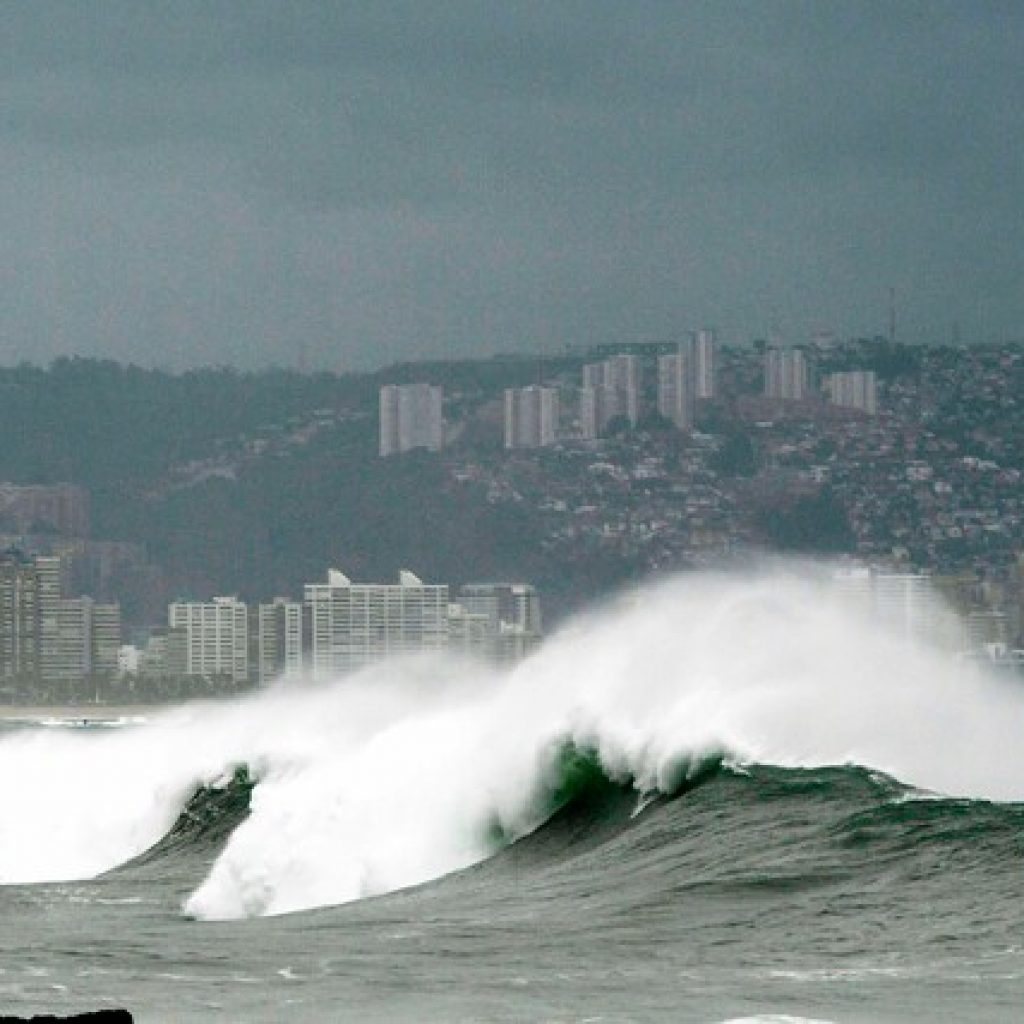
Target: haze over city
x=512, y=510
x=341, y=186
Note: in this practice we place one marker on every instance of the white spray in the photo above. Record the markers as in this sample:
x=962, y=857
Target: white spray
x=405, y=771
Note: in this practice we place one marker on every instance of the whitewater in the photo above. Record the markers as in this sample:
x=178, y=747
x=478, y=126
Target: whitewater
x=433, y=768
x=410, y=769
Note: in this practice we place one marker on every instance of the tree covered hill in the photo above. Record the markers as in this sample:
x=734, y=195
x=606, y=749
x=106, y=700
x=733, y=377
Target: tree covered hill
x=97, y=423
x=254, y=483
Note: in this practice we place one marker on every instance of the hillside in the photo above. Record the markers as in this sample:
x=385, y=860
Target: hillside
x=255, y=483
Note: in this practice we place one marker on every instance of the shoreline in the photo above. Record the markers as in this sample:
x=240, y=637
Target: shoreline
x=81, y=712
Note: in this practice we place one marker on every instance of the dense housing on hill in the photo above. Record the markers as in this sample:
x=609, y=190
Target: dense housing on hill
x=158, y=487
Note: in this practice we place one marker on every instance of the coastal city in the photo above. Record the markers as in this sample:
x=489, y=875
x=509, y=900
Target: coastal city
x=898, y=464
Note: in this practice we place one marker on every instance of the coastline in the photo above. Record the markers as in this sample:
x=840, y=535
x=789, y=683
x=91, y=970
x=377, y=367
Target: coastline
x=81, y=712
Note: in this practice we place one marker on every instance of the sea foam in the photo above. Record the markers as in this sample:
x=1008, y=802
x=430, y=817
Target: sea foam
x=417, y=767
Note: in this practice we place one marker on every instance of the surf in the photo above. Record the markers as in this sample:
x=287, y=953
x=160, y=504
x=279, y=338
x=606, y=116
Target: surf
x=413, y=769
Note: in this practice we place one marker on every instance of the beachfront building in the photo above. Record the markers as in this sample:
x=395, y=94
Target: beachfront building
x=355, y=624
x=512, y=615
x=216, y=637
x=275, y=634
x=19, y=623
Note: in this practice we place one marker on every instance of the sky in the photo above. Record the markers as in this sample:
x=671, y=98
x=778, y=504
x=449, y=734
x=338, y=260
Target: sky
x=343, y=185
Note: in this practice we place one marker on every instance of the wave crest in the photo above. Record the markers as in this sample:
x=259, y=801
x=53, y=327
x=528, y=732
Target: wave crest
x=412, y=769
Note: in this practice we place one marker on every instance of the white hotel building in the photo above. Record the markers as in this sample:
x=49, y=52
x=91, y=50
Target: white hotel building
x=354, y=624
x=216, y=637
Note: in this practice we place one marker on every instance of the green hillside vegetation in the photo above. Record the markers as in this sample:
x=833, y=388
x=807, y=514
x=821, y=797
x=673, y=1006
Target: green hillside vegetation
x=124, y=432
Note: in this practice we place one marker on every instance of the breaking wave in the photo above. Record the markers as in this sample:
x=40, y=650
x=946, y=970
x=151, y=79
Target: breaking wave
x=414, y=769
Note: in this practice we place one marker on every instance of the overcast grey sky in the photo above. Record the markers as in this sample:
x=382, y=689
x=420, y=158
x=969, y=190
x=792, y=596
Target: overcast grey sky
x=346, y=184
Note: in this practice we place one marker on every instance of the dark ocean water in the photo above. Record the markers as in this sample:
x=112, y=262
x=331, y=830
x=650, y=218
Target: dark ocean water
x=829, y=894
x=716, y=801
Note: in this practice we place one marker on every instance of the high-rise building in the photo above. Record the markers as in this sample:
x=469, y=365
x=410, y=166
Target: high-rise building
x=216, y=637
x=590, y=414
x=593, y=375
x=470, y=633
x=354, y=624
x=19, y=624
x=531, y=417
x=275, y=635
x=513, y=603
x=675, y=392
x=410, y=417
x=66, y=656
x=106, y=640
x=854, y=389
x=48, y=639
x=165, y=654
x=512, y=613
x=611, y=389
x=54, y=589
x=701, y=359
x=622, y=378
x=785, y=374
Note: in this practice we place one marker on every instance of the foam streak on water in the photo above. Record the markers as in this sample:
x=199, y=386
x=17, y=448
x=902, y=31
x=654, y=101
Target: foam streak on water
x=412, y=769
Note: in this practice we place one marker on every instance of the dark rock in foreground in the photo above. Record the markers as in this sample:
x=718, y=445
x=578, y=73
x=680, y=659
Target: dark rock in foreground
x=96, y=1017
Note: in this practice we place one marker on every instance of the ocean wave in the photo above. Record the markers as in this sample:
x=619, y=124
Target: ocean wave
x=416, y=768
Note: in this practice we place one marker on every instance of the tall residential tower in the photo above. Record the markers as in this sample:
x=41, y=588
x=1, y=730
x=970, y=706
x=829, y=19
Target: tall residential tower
x=531, y=417
x=410, y=417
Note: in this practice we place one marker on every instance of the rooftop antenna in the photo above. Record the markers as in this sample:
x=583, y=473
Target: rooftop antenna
x=892, y=315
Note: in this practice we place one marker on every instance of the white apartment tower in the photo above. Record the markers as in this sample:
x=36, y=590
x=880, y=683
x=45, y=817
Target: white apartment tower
x=854, y=389
x=531, y=417
x=216, y=637
x=701, y=353
x=610, y=389
x=67, y=657
x=354, y=624
x=276, y=640
x=19, y=621
x=106, y=639
x=785, y=374
x=410, y=417
x=594, y=411
x=622, y=378
x=675, y=392
x=53, y=572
